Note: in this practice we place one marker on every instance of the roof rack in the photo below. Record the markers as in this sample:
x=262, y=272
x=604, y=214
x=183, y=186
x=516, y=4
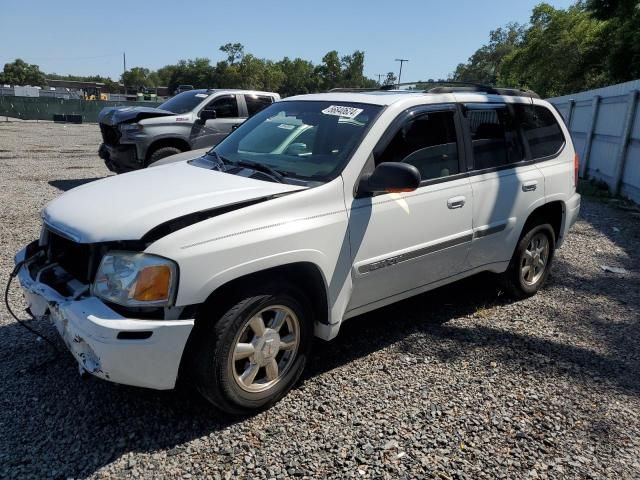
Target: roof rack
x=354, y=90
x=448, y=87
x=393, y=86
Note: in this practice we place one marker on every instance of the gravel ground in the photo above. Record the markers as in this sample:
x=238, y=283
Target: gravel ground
x=457, y=383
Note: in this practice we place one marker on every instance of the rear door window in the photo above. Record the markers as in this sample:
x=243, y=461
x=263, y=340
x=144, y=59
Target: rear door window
x=540, y=130
x=495, y=137
x=255, y=103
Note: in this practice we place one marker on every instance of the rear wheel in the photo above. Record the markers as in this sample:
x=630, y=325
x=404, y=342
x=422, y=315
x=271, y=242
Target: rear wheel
x=255, y=352
x=162, y=153
x=531, y=262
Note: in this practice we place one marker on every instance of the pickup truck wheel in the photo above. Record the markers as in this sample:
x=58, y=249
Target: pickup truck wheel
x=255, y=352
x=162, y=153
x=531, y=262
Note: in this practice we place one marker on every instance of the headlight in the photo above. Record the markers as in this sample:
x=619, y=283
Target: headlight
x=130, y=127
x=135, y=279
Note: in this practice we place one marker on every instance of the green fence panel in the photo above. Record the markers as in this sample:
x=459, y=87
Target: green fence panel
x=44, y=108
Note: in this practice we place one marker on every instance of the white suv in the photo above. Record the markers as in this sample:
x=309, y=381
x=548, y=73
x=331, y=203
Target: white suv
x=220, y=269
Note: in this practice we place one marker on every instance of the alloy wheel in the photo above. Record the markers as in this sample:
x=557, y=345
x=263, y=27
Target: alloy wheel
x=265, y=348
x=534, y=259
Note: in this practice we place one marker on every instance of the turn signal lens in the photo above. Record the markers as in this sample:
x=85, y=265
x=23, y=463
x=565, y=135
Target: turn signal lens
x=399, y=190
x=153, y=284
x=135, y=279
x=576, y=169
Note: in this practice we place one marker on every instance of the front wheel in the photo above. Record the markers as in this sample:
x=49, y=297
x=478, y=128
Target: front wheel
x=163, y=153
x=531, y=262
x=255, y=352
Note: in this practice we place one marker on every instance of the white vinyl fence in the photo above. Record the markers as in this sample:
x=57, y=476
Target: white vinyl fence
x=605, y=127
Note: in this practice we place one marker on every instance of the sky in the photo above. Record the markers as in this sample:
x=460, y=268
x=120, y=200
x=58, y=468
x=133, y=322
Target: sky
x=85, y=38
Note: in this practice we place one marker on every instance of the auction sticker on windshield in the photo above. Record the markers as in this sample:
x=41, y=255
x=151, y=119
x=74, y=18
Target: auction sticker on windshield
x=342, y=111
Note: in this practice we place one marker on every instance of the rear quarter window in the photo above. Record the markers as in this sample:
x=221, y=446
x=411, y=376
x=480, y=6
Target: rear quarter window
x=540, y=129
x=255, y=103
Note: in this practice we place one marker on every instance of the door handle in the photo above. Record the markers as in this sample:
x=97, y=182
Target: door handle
x=456, y=202
x=529, y=186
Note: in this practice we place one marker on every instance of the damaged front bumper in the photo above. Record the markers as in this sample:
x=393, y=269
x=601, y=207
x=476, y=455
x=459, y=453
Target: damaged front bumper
x=142, y=353
x=121, y=158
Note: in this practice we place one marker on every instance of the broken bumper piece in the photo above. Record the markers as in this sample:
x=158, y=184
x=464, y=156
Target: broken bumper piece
x=119, y=159
x=142, y=353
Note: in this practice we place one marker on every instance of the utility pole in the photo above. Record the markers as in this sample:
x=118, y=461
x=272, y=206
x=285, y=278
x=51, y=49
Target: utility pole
x=380, y=75
x=124, y=64
x=401, y=60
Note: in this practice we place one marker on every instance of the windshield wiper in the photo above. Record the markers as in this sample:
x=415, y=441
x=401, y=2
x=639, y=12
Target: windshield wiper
x=220, y=161
x=260, y=167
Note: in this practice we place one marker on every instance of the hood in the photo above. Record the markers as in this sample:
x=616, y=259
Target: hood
x=127, y=206
x=116, y=115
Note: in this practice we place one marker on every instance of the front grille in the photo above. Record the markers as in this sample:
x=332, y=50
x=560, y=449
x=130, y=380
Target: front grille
x=77, y=259
x=110, y=134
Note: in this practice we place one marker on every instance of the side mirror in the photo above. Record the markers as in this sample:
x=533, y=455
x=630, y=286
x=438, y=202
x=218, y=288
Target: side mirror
x=390, y=177
x=296, y=149
x=208, y=115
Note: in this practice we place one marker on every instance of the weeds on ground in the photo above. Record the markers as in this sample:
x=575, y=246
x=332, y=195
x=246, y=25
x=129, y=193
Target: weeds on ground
x=599, y=190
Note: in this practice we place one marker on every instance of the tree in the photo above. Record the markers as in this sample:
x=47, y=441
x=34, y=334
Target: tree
x=484, y=65
x=234, y=51
x=138, y=78
x=621, y=36
x=343, y=72
x=299, y=77
x=560, y=52
x=257, y=73
x=164, y=75
x=390, y=79
x=352, y=70
x=238, y=70
x=197, y=72
x=330, y=71
x=20, y=72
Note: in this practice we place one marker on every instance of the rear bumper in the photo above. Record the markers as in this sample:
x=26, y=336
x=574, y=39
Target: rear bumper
x=121, y=158
x=572, y=211
x=90, y=329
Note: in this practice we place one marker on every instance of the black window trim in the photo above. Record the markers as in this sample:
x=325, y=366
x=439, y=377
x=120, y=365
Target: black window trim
x=463, y=135
x=471, y=171
x=415, y=111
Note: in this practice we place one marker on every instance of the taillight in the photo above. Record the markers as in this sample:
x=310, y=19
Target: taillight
x=576, y=169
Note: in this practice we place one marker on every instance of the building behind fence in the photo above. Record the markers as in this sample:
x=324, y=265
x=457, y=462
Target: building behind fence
x=605, y=127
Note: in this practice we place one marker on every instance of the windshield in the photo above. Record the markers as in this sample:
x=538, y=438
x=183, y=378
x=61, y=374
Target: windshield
x=302, y=139
x=184, y=102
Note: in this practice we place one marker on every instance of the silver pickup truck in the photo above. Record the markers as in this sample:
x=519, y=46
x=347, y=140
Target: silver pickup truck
x=134, y=137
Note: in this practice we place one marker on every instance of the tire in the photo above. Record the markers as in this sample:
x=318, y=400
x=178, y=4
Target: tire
x=162, y=153
x=526, y=274
x=220, y=357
